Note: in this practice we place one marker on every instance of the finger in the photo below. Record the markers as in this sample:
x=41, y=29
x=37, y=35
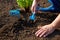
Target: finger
x=32, y=9
x=38, y=30
x=46, y=34
x=38, y=33
x=39, y=27
x=42, y=33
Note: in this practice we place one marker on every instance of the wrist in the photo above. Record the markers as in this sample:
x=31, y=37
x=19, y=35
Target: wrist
x=53, y=25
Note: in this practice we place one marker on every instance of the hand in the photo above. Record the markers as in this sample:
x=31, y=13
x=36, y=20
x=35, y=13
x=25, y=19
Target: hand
x=34, y=5
x=45, y=30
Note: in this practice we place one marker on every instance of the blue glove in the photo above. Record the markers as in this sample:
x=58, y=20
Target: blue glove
x=15, y=13
x=53, y=7
x=50, y=8
x=33, y=16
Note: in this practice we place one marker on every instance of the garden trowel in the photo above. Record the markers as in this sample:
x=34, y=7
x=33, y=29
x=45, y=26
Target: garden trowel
x=33, y=16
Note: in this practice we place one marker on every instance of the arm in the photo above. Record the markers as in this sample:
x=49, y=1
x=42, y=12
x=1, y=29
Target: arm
x=48, y=29
x=34, y=5
x=37, y=1
x=56, y=22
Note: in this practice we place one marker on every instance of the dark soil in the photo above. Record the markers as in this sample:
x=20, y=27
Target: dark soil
x=14, y=28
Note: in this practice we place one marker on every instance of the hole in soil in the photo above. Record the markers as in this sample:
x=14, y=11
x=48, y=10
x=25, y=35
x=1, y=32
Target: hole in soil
x=21, y=24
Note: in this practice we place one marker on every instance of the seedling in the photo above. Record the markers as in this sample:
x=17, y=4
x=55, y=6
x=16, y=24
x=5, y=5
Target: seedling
x=25, y=4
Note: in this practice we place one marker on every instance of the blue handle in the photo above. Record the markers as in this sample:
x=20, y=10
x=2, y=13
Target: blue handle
x=15, y=13
x=33, y=16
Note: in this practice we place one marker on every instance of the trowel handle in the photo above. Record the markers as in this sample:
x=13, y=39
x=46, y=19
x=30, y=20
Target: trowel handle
x=33, y=13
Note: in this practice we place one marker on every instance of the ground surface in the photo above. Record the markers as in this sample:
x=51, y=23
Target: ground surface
x=13, y=28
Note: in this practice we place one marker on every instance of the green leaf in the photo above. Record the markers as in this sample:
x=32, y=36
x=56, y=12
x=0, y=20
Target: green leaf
x=24, y=3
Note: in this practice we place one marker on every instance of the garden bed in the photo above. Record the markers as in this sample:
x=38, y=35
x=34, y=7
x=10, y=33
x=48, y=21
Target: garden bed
x=13, y=28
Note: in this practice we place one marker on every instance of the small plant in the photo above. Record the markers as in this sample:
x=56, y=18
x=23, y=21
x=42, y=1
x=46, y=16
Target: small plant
x=26, y=4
